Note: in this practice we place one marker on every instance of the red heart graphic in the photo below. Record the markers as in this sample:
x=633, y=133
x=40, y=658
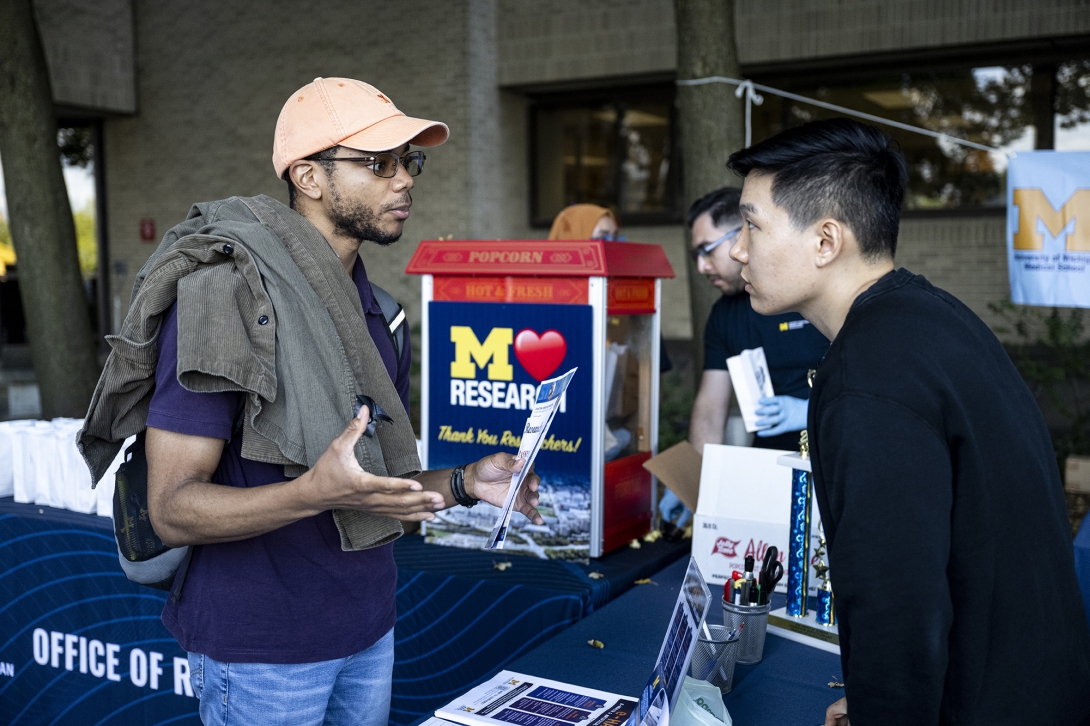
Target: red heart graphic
x=540, y=355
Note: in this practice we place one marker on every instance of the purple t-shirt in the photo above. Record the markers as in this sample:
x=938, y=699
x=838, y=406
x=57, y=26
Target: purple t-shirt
x=291, y=595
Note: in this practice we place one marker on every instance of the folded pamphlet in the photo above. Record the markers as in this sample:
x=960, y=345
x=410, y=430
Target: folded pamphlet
x=752, y=382
x=514, y=698
x=537, y=425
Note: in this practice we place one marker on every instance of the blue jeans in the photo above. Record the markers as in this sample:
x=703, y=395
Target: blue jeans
x=348, y=691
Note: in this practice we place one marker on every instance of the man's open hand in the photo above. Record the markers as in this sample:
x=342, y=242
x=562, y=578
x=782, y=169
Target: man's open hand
x=490, y=478
x=337, y=481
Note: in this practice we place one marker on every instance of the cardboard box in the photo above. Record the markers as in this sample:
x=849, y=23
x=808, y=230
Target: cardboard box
x=679, y=469
x=744, y=506
x=1076, y=474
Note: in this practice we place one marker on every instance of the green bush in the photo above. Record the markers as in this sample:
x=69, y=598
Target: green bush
x=1051, y=351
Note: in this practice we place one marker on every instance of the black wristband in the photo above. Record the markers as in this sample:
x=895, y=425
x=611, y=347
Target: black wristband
x=458, y=487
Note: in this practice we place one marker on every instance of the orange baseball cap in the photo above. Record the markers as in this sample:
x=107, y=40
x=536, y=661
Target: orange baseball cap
x=345, y=112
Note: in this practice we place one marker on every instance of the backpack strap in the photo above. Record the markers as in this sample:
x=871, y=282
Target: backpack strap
x=394, y=316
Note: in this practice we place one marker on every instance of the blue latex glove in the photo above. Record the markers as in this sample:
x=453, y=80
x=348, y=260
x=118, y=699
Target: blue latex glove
x=671, y=507
x=782, y=413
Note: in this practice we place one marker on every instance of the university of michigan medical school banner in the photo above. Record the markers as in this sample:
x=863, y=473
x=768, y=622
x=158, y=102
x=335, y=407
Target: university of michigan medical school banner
x=485, y=363
x=1048, y=228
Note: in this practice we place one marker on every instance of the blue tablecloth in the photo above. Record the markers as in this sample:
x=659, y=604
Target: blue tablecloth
x=789, y=687
x=59, y=574
x=459, y=620
x=1082, y=563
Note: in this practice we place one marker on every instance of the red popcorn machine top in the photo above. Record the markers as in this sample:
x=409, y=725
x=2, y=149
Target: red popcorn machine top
x=499, y=317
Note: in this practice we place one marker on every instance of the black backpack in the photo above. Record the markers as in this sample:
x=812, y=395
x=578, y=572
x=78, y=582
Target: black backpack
x=143, y=556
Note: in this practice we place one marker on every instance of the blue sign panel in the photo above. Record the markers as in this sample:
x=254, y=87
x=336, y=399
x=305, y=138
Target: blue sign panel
x=79, y=643
x=486, y=361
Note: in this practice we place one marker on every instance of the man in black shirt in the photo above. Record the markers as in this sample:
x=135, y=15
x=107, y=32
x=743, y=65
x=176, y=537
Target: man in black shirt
x=950, y=550
x=792, y=346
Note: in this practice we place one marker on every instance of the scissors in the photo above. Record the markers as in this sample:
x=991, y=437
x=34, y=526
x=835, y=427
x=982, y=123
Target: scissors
x=771, y=573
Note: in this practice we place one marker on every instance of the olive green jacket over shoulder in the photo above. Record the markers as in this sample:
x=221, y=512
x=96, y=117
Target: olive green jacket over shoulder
x=266, y=308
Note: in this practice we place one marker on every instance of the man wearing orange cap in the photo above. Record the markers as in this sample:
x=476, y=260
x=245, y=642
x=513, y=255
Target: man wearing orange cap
x=252, y=332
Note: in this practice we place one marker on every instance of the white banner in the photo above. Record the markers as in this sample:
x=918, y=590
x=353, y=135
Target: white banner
x=1048, y=228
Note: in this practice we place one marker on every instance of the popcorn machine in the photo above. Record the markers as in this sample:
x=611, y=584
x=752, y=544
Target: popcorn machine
x=498, y=318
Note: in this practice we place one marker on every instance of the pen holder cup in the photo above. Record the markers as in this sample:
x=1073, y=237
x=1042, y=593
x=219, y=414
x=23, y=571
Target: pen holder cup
x=752, y=646
x=713, y=660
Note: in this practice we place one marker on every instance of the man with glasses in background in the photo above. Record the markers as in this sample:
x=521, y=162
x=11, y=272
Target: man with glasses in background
x=792, y=346
x=267, y=332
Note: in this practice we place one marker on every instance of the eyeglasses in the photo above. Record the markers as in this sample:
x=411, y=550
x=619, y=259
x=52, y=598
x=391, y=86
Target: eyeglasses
x=385, y=164
x=705, y=250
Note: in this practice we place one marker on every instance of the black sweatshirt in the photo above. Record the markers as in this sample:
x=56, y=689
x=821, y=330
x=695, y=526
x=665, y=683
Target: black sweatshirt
x=950, y=549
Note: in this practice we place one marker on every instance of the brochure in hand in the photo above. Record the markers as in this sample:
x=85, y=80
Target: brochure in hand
x=752, y=382
x=533, y=433
x=660, y=695
x=513, y=698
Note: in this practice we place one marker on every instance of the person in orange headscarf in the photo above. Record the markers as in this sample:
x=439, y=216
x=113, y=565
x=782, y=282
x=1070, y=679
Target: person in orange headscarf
x=585, y=221
x=590, y=221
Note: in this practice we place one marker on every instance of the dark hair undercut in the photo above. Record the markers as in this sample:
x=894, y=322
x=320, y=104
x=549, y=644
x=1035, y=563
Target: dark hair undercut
x=323, y=159
x=722, y=205
x=838, y=168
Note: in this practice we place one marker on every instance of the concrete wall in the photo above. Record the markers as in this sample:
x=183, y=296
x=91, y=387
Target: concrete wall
x=89, y=50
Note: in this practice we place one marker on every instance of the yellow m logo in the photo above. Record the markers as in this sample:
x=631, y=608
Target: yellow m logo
x=1033, y=205
x=468, y=350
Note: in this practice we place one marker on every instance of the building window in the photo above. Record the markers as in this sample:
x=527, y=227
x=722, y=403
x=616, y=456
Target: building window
x=615, y=149
x=1072, y=122
x=1001, y=106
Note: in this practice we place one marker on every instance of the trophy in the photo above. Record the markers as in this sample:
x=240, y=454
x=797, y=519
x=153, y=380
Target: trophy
x=826, y=613
x=798, y=543
x=795, y=621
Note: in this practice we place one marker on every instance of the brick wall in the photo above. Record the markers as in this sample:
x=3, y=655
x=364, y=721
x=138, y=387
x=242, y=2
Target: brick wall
x=966, y=256
x=212, y=77
x=565, y=40
x=559, y=41
x=771, y=32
